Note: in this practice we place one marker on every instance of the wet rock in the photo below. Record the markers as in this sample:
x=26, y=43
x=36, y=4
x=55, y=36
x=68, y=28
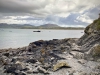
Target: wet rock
x=31, y=61
x=19, y=73
x=55, y=56
x=11, y=68
x=31, y=47
x=6, y=54
x=56, y=51
x=38, y=43
x=60, y=64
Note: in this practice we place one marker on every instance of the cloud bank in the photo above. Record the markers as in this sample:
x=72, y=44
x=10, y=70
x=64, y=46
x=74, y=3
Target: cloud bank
x=61, y=12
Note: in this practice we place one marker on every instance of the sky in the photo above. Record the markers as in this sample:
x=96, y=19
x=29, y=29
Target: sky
x=65, y=13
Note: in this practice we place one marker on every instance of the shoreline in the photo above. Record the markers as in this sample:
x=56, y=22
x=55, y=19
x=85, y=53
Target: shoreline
x=11, y=48
x=29, y=43
x=50, y=57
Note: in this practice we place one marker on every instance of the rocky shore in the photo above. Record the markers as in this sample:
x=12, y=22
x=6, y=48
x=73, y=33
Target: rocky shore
x=71, y=56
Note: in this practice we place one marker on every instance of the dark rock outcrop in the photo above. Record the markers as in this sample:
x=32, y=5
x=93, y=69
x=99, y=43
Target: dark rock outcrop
x=90, y=41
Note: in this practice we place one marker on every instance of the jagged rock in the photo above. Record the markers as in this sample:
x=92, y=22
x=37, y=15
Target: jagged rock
x=6, y=54
x=4, y=60
x=96, y=51
x=31, y=61
x=35, y=70
x=11, y=68
x=19, y=73
x=60, y=64
x=42, y=70
x=38, y=43
x=17, y=58
x=77, y=54
x=91, y=36
x=31, y=47
x=46, y=66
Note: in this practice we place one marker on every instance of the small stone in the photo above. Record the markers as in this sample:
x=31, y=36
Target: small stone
x=29, y=71
x=42, y=70
x=46, y=66
x=35, y=70
x=82, y=61
x=31, y=61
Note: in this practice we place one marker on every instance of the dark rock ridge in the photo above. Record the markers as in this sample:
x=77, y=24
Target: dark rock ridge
x=90, y=41
x=69, y=56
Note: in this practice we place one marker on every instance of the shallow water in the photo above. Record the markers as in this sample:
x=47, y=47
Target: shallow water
x=13, y=38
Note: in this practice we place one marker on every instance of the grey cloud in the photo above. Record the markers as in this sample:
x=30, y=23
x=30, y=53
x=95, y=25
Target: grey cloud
x=70, y=20
x=49, y=10
x=28, y=18
x=44, y=7
x=5, y=17
x=20, y=6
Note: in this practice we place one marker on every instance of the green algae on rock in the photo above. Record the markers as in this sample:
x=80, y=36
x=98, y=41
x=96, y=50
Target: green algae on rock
x=93, y=27
x=60, y=64
x=96, y=51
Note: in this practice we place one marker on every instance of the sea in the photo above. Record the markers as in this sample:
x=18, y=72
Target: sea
x=14, y=38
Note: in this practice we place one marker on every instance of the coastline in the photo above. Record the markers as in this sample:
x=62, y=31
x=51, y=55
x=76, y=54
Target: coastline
x=69, y=56
x=51, y=57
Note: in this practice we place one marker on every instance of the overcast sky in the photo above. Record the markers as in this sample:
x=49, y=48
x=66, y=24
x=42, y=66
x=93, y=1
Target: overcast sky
x=77, y=13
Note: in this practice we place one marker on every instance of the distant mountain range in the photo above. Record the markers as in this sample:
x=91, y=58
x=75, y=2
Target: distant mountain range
x=5, y=25
x=49, y=26
x=28, y=26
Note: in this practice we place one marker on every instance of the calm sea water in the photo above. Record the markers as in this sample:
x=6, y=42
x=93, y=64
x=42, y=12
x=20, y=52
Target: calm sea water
x=13, y=38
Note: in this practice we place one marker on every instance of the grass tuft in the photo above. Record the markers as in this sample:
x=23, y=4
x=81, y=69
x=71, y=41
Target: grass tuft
x=96, y=51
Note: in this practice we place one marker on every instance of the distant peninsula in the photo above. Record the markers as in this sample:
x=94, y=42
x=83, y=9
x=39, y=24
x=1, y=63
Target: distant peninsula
x=45, y=26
